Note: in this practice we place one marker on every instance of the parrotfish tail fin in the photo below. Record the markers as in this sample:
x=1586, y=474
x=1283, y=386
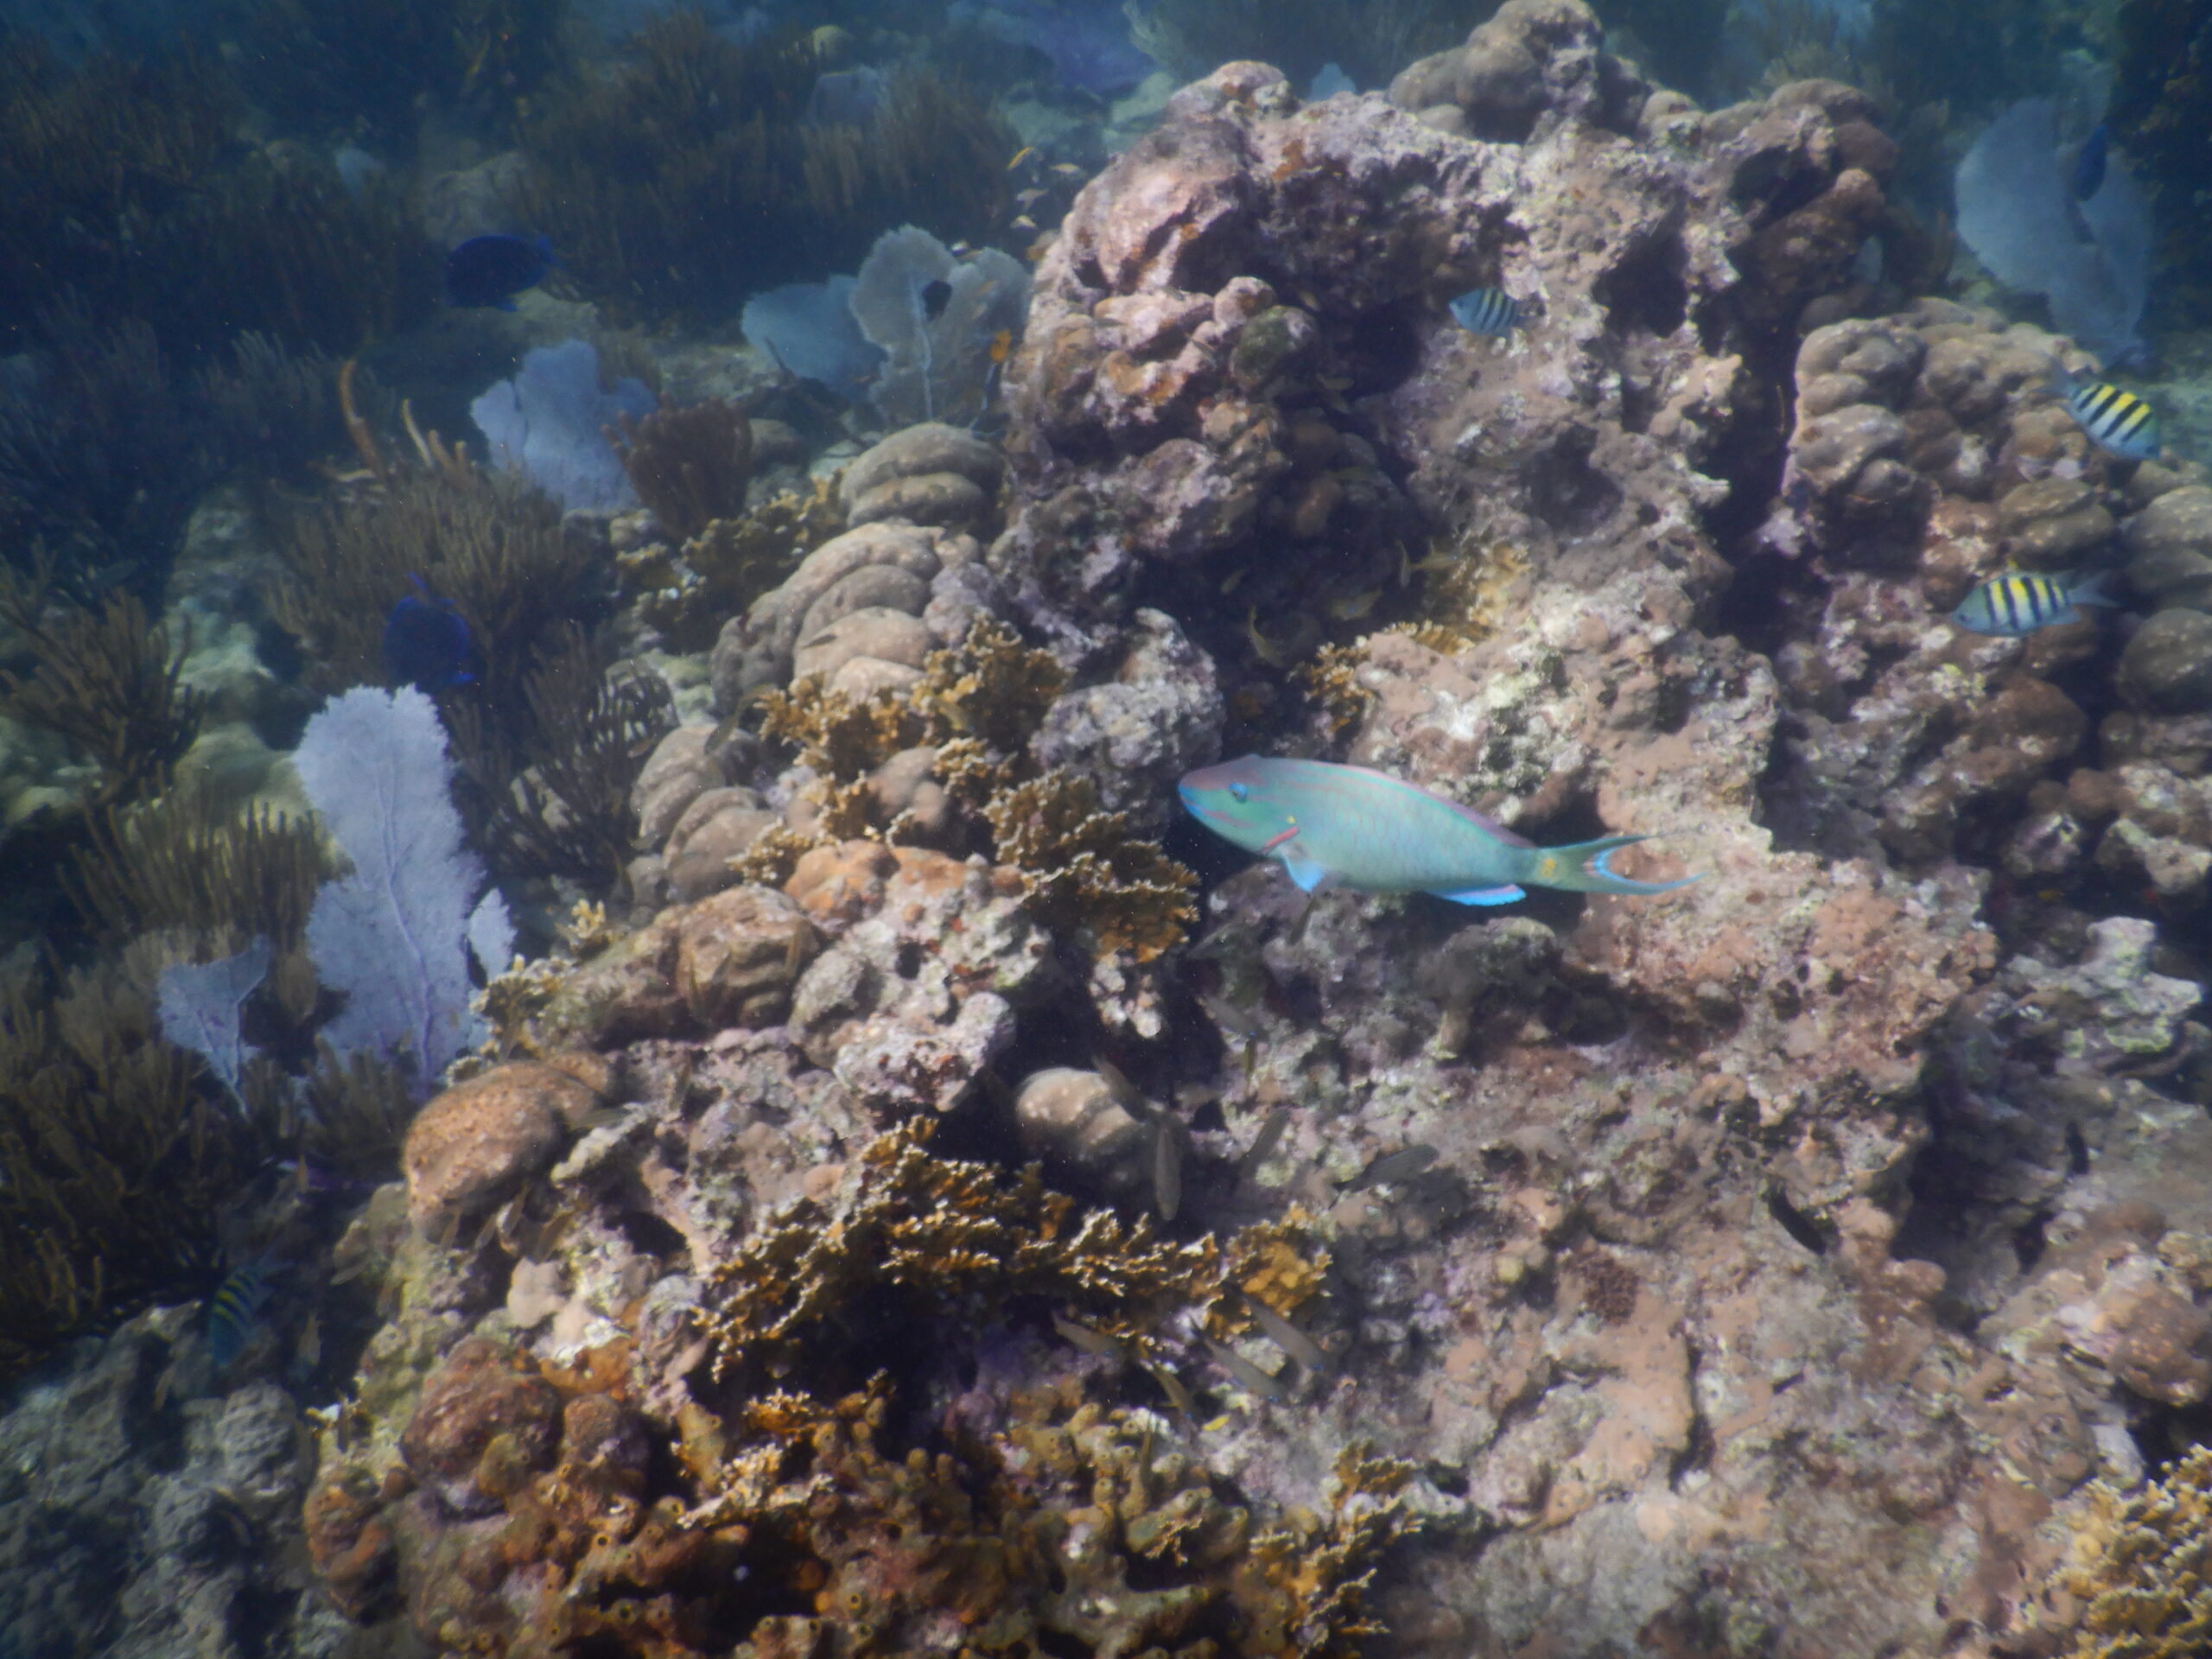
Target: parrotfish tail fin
x=2091, y=590
x=1587, y=866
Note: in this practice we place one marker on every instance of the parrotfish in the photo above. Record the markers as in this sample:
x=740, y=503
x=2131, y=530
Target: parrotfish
x=1348, y=827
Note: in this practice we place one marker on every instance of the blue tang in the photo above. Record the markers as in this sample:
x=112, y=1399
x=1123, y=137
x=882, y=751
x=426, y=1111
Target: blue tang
x=426, y=643
x=490, y=270
x=1347, y=826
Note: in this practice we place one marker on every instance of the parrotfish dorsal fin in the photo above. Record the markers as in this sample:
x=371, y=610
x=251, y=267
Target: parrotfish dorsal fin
x=1489, y=825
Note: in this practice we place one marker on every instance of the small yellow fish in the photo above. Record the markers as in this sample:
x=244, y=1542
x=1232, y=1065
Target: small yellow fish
x=1067, y=170
x=1021, y=155
x=1001, y=344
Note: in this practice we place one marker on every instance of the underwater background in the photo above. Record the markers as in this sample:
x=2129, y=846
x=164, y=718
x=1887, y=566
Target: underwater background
x=836, y=828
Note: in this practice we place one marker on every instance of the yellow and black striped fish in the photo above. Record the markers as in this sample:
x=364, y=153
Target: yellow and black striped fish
x=2019, y=602
x=2118, y=423
x=235, y=1309
x=1487, y=311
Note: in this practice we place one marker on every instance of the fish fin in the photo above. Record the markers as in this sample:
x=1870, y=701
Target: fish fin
x=2091, y=592
x=1504, y=895
x=1305, y=871
x=1587, y=866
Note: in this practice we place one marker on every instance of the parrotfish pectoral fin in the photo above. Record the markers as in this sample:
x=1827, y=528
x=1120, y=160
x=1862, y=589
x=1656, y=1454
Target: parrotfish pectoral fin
x=1303, y=870
x=1485, y=896
x=1587, y=866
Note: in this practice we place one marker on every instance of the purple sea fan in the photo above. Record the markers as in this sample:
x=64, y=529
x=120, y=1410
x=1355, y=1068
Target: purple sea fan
x=392, y=933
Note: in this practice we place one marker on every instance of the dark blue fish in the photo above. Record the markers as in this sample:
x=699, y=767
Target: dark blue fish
x=490, y=270
x=426, y=644
x=2089, y=164
x=1487, y=311
x=234, y=1311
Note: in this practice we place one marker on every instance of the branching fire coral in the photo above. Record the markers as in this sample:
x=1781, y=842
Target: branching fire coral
x=963, y=1238
x=687, y=593
x=1087, y=869
x=979, y=703
x=2143, y=1564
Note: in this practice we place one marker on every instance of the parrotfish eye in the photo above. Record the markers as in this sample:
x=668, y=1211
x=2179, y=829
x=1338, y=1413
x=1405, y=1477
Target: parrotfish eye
x=1241, y=791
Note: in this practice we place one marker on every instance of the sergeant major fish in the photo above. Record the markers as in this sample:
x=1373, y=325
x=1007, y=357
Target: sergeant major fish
x=2019, y=603
x=234, y=1311
x=1487, y=311
x=2118, y=422
x=1348, y=827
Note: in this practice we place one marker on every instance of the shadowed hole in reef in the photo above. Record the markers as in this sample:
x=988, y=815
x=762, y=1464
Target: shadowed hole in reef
x=1645, y=292
x=1564, y=490
x=1795, y=1222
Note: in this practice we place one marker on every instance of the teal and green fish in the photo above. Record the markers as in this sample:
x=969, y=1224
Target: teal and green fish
x=1487, y=311
x=1348, y=827
x=2019, y=603
x=234, y=1310
x=2118, y=422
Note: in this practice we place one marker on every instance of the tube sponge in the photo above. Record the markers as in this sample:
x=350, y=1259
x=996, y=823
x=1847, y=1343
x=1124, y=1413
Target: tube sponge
x=2091, y=260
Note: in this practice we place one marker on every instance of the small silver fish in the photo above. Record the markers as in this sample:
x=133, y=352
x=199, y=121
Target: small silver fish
x=1264, y=1143
x=1167, y=1166
x=1289, y=1337
x=1249, y=1376
x=1400, y=1165
x=1093, y=1342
